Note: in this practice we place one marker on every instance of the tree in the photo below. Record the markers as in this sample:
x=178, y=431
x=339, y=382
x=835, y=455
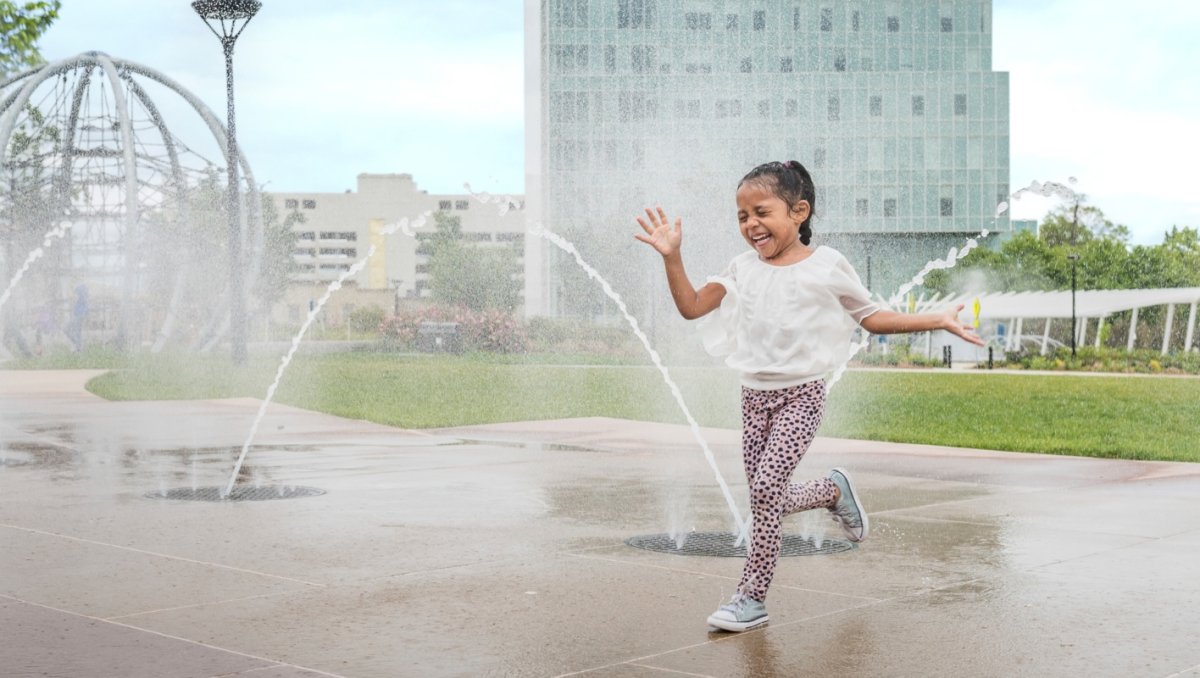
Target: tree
x=21, y=25
x=478, y=278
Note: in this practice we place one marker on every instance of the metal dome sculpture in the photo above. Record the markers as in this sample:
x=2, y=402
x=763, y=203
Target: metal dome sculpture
x=82, y=141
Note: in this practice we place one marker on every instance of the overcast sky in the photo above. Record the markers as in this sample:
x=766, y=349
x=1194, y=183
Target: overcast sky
x=1104, y=91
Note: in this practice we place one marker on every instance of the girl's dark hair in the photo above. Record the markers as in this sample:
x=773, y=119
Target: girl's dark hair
x=791, y=183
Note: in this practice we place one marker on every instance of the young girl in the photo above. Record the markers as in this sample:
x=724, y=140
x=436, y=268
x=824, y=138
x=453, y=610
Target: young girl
x=786, y=316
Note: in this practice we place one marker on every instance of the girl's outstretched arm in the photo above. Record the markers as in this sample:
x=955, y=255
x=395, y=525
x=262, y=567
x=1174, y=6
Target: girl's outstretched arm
x=692, y=303
x=890, y=322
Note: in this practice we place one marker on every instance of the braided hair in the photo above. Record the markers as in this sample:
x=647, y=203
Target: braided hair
x=791, y=183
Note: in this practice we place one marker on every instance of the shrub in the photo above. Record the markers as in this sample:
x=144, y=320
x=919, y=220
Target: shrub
x=366, y=319
x=492, y=331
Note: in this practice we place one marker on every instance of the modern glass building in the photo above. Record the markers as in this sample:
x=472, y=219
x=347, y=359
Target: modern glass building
x=892, y=105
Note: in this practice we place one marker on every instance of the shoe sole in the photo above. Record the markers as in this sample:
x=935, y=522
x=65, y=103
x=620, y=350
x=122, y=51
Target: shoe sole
x=857, y=504
x=737, y=627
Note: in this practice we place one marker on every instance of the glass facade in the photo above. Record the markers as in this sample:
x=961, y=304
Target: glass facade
x=892, y=105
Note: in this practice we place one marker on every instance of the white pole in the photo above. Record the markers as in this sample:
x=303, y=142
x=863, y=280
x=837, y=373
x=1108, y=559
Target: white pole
x=1167, y=330
x=1082, y=332
x=1017, y=334
x=1132, y=330
x=1045, y=338
x=1099, y=330
x=1187, y=343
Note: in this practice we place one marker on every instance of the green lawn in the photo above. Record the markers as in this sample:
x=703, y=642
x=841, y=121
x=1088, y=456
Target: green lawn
x=1131, y=418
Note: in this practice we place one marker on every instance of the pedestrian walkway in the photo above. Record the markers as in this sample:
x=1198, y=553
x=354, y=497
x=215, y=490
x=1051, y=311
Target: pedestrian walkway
x=499, y=551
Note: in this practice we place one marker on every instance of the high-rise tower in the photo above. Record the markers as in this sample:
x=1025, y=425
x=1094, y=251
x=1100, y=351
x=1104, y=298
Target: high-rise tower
x=892, y=105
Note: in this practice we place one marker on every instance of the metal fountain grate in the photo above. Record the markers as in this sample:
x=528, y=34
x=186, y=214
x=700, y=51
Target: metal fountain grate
x=239, y=493
x=720, y=544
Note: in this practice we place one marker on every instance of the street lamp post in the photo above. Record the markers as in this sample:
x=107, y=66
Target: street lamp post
x=231, y=16
x=1074, y=257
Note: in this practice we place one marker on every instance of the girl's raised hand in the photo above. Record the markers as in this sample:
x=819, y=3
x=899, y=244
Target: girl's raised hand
x=952, y=324
x=658, y=232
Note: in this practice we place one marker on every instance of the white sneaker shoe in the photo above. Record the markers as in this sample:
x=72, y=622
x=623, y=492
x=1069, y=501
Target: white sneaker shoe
x=739, y=614
x=849, y=511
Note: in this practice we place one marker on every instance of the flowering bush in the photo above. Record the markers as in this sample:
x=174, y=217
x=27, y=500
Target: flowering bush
x=1105, y=359
x=490, y=330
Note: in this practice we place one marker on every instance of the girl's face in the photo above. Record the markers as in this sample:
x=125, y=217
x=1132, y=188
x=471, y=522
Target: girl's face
x=768, y=224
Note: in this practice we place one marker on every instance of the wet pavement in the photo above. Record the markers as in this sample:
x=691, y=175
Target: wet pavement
x=499, y=551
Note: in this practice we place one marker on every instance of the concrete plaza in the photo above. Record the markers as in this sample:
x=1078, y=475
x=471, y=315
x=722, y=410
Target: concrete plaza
x=499, y=551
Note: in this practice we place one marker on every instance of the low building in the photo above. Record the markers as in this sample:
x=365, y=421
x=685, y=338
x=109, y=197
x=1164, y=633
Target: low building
x=338, y=229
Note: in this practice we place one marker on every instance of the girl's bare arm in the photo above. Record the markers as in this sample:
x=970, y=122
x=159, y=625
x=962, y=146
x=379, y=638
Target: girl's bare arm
x=692, y=303
x=890, y=322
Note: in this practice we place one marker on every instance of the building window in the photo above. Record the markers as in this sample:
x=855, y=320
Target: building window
x=698, y=21
x=960, y=104
x=795, y=18
x=764, y=109
x=785, y=65
x=854, y=20
x=306, y=235
x=477, y=237
x=746, y=66
x=643, y=58
x=729, y=108
x=791, y=108
x=826, y=19
x=510, y=237
x=862, y=207
x=918, y=105
x=946, y=208
x=693, y=108
x=610, y=59
x=893, y=24
x=444, y=204
x=760, y=19
x=947, y=25
x=839, y=61
x=818, y=157
x=635, y=13
x=731, y=22
x=835, y=108
x=462, y=204
x=889, y=207
x=876, y=106
x=310, y=204
x=291, y=203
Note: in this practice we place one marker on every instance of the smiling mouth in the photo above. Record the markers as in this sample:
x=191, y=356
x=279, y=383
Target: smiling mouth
x=760, y=239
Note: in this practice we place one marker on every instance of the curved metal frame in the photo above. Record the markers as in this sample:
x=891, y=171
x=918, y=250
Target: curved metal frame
x=120, y=71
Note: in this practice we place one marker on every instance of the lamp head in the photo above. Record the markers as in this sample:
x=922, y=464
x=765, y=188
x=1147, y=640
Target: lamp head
x=226, y=10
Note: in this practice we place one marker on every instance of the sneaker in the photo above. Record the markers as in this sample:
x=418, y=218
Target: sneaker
x=849, y=511
x=739, y=614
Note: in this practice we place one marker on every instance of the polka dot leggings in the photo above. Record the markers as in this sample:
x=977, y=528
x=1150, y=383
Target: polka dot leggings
x=777, y=428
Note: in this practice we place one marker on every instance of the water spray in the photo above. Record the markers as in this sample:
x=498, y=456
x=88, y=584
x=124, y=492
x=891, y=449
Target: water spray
x=405, y=226
x=1047, y=189
x=504, y=202
x=54, y=234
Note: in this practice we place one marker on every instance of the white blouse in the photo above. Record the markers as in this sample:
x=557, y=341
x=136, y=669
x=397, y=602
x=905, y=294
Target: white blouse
x=780, y=326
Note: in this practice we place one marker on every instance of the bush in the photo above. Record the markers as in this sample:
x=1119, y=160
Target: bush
x=1104, y=359
x=366, y=319
x=492, y=331
x=898, y=355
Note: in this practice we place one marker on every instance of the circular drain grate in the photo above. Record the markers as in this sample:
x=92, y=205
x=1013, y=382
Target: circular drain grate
x=721, y=544
x=243, y=493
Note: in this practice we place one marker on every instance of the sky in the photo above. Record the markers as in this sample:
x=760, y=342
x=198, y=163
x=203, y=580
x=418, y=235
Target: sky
x=1105, y=91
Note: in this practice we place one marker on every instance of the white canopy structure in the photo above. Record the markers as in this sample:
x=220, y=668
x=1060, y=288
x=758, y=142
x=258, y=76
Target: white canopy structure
x=1017, y=307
